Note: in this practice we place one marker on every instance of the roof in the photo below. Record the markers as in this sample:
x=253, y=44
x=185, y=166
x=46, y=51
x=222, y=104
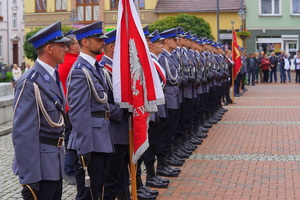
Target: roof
x=163, y=6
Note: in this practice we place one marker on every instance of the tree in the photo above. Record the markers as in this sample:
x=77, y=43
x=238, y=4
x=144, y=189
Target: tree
x=188, y=22
x=30, y=52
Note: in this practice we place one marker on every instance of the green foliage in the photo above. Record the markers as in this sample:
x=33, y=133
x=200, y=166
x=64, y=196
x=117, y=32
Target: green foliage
x=243, y=34
x=8, y=77
x=188, y=22
x=30, y=52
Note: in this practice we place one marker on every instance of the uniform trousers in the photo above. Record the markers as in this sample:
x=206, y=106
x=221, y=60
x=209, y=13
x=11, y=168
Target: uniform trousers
x=115, y=163
x=50, y=190
x=97, y=169
x=167, y=135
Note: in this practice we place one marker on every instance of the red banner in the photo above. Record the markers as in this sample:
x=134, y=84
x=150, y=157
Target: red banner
x=136, y=83
x=236, y=57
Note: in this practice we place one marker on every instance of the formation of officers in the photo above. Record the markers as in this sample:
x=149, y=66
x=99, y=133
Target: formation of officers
x=68, y=95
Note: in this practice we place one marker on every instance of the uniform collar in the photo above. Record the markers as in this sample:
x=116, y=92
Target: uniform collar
x=47, y=67
x=88, y=58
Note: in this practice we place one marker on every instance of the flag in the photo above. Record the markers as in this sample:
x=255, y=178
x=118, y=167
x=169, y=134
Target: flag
x=136, y=84
x=236, y=57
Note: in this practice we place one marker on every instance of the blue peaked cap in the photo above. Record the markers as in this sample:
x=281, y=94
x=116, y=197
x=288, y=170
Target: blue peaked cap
x=92, y=30
x=156, y=36
x=146, y=32
x=47, y=35
x=169, y=33
x=111, y=36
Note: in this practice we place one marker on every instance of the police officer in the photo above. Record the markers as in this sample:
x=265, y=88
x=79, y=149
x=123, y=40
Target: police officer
x=90, y=138
x=119, y=129
x=171, y=67
x=38, y=119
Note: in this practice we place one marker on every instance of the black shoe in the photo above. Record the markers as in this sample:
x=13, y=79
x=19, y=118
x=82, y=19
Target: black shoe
x=206, y=124
x=201, y=135
x=187, y=151
x=177, y=170
x=195, y=141
x=153, y=181
x=171, y=160
x=190, y=145
x=163, y=179
x=212, y=121
x=166, y=171
x=143, y=194
x=179, y=153
x=202, y=129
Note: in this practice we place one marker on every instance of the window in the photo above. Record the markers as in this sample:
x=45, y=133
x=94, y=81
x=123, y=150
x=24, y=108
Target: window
x=270, y=7
x=114, y=4
x=0, y=46
x=88, y=10
x=40, y=5
x=14, y=1
x=0, y=8
x=61, y=5
x=295, y=7
x=15, y=22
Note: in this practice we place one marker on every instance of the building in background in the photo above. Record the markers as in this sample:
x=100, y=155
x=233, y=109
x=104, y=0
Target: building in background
x=11, y=32
x=274, y=25
x=206, y=9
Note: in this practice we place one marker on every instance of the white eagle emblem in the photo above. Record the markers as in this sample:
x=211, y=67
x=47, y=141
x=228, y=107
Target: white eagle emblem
x=136, y=69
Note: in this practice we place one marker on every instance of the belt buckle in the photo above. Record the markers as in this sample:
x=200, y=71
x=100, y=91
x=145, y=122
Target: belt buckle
x=60, y=141
x=107, y=114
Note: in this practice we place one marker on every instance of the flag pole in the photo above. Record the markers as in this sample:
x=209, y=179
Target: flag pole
x=132, y=165
x=232, y=70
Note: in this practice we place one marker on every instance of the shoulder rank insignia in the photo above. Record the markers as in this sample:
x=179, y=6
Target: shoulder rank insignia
x=33, y=75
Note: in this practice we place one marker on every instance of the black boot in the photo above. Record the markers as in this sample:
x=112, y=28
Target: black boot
x=163, y=169
x=144, y=193
x=152, y=180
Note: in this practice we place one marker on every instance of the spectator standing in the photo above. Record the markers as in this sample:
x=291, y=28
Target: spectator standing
x=266, y=67
x=3, y=71
x=16, y=72
x=281, y=58
x=297, y=67
x=256, y=55
x=274, y=62
x=27, y=67
x=251, y=68
x=288, y=69
x=260, y=57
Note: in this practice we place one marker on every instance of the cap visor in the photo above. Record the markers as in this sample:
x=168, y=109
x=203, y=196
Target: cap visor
x=63, y=39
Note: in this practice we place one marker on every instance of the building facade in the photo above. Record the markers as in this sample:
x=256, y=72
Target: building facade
x=11, y=32
x=274, y=25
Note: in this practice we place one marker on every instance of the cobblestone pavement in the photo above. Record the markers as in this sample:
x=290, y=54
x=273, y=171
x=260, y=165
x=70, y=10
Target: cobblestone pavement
x=253, y=153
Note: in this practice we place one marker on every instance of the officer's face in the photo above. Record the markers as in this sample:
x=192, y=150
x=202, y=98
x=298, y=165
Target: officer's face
x=148, y=41
x=96, y=45
x=157, y=47
x=58, y=51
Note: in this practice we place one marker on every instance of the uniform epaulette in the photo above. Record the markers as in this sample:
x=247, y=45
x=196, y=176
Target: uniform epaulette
x=78, y=66
x=33, y=75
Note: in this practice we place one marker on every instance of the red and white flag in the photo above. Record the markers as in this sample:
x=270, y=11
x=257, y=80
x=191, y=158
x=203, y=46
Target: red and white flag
x=136, y=84
x=236, y=56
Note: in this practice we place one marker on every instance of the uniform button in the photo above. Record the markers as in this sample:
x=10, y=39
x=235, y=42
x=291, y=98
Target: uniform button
x=22, y=177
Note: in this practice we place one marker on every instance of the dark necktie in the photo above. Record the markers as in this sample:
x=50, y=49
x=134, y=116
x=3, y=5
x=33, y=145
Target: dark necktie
x=58, y=81
x=98, y=68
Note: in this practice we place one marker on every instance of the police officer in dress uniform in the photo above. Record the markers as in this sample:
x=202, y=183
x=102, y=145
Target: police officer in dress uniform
x=171, y=67
x=115, y=183
x=38, y=119
x=90, y=138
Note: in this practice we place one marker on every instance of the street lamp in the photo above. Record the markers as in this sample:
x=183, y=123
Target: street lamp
x=242, y=14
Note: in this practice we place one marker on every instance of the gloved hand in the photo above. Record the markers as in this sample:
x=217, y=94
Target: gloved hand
x=84, y=159
x=30, y=191
x=191, y=79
